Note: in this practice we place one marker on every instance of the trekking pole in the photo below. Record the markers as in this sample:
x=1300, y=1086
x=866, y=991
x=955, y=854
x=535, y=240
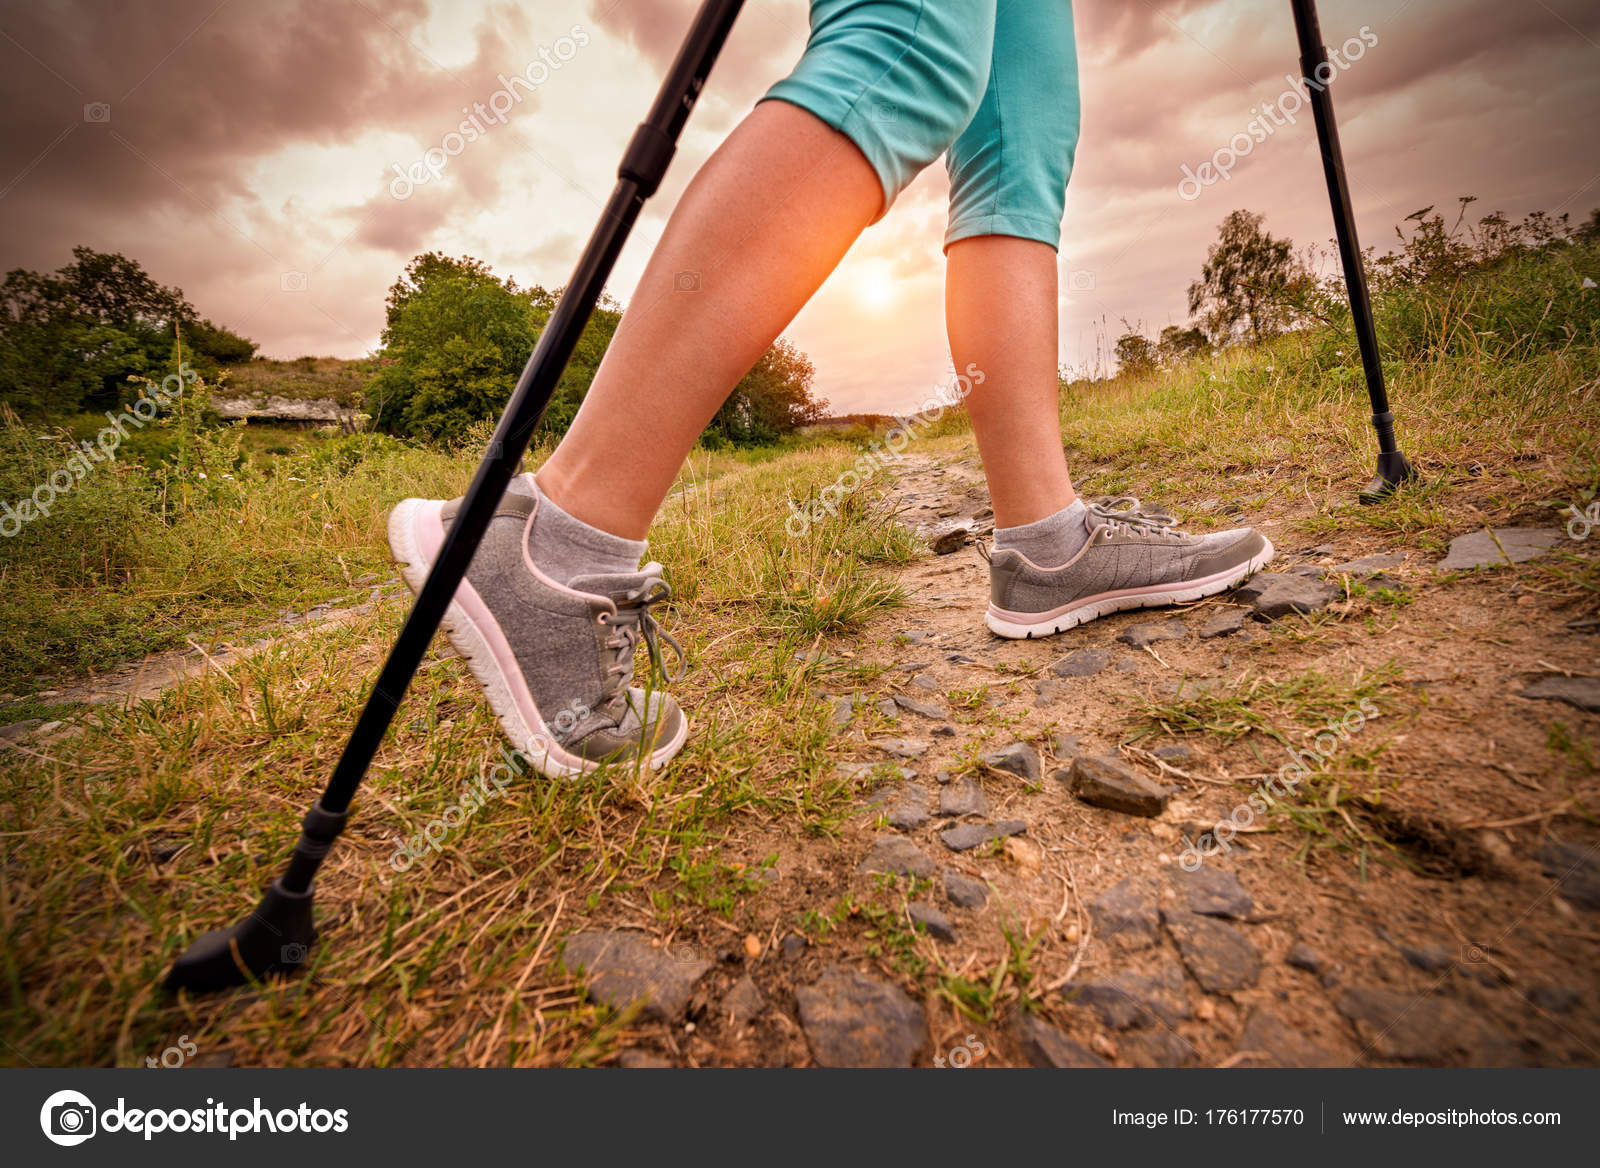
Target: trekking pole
x=1393, y=469
x=276, y=936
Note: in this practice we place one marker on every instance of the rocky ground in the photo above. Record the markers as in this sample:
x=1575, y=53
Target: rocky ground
x=1037, y=874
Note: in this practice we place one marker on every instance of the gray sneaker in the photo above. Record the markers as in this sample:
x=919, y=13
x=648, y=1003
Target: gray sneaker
x=554, y=660
x=1134, y=559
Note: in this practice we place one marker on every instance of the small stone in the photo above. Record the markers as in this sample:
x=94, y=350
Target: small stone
x=942, y=777
x=850, y=1020
x=926, y=681
x=913, y=636
x=1127, y=912
x=896, y=855
x=887, y=708
x=907, y=816
x=1272, y=595
x=1065, y=747
x=1404, y=1026
x=963, y=891
x=960, y=659
x=17, y=730
x=743, y=1003
x=1267, y=1034
x=1213, y=893
x=752, y=946
x=1301, y=956
x=1024, y=853
x=1220, y=957
x=1112, y=784
x=1129, y=1000
x=951, y=540
x=793, y=947
x=1556, y=999
x=1081, y=663
x=1432, y=958
x=620, y=968
x=1128, y=665
x=1225, y=623
x=1045, y=1046
x=1050, y=691
x=1582, y=692
x=943, y=730
x=859, y=771
x=1019, y=759
x=963, y=797
x=843, y=710
x=902, y=747
x=935, y=922
x=966, y=836
x=1176, y=753
x=1141, y=635
x=1477, y=549
x=924, y=709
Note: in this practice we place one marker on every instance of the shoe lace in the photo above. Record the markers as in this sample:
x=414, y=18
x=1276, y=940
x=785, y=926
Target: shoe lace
x=1126, y=513
x=634, y=622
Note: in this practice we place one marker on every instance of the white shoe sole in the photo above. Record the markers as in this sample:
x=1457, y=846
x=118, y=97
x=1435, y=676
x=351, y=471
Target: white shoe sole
x=1016, y=628
x=476, y=635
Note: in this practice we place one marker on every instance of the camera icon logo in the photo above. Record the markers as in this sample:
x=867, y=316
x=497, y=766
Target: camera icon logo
x=292, y=282
x=292, y=954
x=1081, y=281
x=885, y=111
x=686, y=282
x=68, y=1118
x=97, y=111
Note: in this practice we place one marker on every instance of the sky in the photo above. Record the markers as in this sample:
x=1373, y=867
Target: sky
x=269, y=156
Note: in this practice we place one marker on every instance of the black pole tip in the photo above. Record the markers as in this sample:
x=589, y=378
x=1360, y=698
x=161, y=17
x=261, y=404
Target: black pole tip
x=274, y=939
x=1393, y=469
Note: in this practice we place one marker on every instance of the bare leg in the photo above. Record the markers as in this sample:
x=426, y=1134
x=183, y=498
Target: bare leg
x=1000, y=310
x=761, y=226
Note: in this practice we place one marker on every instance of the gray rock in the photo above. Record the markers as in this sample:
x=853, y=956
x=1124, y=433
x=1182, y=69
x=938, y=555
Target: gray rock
x=620, y=968
x=1267, y=1034
x=963, y=797
x=1220, y=957
x=943, y=730
x=1019, y=759
x=1127, y=912
x=1159, y=1048
x=1556, y=999
x=964, y=891
x=1050, y=691
x=1176, y=753
x=850, y=1020
x=1128, y=665
x=1477, y=549
x=1081, y=663
x=913, y=636
x=17, y=730
x=1065, y=747
x=1405, y=1026
x=1114, y=785
x=1225, y=623
x=907, y=816
x=960, y=659
x=966, y=836
x=743, y=1003
x=1432, y=958
x=793, y=947
x=887, y=707
x=902, y=747
x=1582, y=692
x=897, y=855
x=930, y=918
x=1045, y=1046
x=943, y=777
x=925, y=709
x=1369, y=565
x=926, y=681
x=951, y=540
x=1130, y=1000
x=843, y=710
x=1272, y=595
x=1214, y=893
x=1576, y=870
x=875, y=770
x=1301, y=956
x=1141, y=635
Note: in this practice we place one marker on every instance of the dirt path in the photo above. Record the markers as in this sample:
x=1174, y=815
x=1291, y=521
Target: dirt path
x=1430, y=895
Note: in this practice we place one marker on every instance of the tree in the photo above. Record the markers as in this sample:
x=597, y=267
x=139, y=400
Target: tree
x=1136, y=356
x=1178, y=344
x=771, y=400
x=1246, y=281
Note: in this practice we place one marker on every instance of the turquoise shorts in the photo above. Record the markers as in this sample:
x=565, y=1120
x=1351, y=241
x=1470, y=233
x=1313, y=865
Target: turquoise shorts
x=990, y=84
